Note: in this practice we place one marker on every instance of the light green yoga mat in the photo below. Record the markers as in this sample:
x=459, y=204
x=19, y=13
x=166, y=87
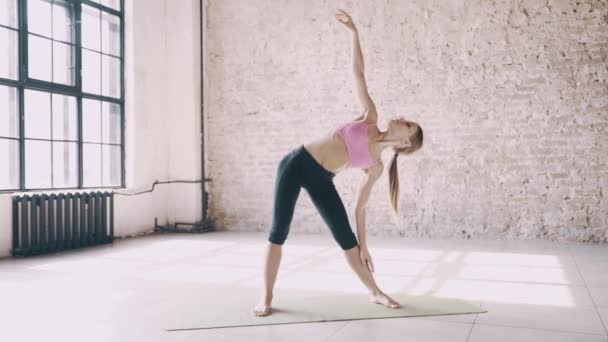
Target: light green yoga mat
x=294, y=309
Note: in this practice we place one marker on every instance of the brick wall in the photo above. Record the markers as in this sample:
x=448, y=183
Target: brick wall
x=512, y=97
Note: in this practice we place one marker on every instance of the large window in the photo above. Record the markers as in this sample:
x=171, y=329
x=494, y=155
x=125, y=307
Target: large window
x=61, y=94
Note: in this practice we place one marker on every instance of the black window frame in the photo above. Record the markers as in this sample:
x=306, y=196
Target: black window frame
x=25, y=83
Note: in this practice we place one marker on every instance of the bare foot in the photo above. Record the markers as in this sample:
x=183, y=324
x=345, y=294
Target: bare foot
x=263, y=307
x=382, y=298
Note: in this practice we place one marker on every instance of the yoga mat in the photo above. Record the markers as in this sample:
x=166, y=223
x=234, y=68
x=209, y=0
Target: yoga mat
x=292, y=309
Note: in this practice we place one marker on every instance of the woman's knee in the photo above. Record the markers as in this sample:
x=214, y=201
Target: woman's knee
x=278, y=236
x=348, y=243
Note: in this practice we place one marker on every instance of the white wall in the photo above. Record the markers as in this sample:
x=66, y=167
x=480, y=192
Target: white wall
x=162, y=119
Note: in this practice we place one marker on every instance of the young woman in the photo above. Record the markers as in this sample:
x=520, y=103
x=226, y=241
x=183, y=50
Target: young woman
x=312, y=166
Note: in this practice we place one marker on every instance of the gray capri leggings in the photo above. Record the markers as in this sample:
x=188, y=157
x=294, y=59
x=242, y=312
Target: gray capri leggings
x=298, y=169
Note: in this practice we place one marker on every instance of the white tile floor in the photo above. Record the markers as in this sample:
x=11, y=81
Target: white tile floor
x=533, y=290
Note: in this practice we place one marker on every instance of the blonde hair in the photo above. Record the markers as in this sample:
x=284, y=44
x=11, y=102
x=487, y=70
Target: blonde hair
x=393, y=175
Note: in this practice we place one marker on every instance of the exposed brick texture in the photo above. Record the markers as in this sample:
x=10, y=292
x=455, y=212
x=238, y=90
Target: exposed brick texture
x=512, y=97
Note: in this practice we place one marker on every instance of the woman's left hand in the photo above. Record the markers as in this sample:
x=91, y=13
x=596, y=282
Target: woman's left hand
x=366, y=259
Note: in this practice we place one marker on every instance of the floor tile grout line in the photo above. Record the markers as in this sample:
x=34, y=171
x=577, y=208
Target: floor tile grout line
x=543, y=329
x=404, y=317
x=286, y=271
x=472, y=326
x=588, y=291
x=337, y=330
x=470, y=331
x=452, y=278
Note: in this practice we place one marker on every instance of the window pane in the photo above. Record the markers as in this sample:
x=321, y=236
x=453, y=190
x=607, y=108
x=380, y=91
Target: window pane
x=111, y=165
x=111, y=76
x=115, y=4
x=63, y=21
x=65, y=165
x=9, y=164
x=37, y=164
x=39, y=52
x=111, y=123
x=65, y=118
x=91, y=166
x=91, y=120
x=37, y=115
x=63, y=63
x=8, y=54
x=91, y=72
x=39, y=17
x=8, y=13
x=110, y=34
x=91, y=28
x=9, y=112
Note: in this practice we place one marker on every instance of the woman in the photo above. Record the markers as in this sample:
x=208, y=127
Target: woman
x=313, y=165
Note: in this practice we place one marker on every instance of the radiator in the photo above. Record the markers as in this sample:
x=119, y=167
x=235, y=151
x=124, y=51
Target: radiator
x=49, y=223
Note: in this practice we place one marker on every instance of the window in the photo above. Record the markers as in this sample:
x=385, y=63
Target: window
x=61, y=94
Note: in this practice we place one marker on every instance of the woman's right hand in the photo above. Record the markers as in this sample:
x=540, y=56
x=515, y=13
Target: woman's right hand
x=345, y=19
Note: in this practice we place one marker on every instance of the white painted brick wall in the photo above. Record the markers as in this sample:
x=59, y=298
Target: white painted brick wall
x=512, y=96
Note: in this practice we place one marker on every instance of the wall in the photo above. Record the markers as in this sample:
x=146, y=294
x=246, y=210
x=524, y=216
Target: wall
x=162, y=119
x=163, y=98
x=512, y=97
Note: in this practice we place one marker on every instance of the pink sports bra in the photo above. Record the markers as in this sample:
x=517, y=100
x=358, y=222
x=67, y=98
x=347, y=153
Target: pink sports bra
x=354, y=134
